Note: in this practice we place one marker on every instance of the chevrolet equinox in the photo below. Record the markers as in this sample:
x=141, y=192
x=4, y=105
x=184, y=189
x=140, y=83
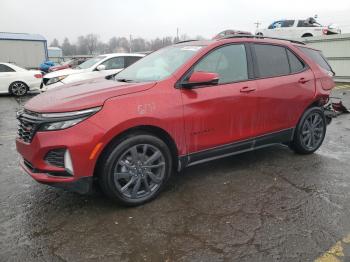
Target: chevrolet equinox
x=179, y=106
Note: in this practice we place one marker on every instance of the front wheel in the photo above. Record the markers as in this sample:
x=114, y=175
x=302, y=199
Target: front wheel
x=135, y=170
x=310, y=132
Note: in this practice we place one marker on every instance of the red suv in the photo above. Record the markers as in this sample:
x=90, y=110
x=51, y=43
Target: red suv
x=180, y=106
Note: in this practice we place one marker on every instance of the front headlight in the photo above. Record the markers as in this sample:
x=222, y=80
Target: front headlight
x=61, y=125
x=55, y=80
x=58, y=121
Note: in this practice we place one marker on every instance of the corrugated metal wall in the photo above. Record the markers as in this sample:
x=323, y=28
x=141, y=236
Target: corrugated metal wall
x=28, y=54
x=337, y=50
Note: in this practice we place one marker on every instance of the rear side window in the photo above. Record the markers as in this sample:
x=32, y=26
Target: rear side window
x=230, y=62
x=317, y=57
x=129, y=60
x=303, y=23
x=295, y=64
x=271, y=60
x=5, y=68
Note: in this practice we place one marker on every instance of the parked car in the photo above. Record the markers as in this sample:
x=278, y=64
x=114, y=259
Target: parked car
x=18, y=81
x=99, y=66
x=297, y=29
x=179, y=106
x=231, y=32
x=72, y=63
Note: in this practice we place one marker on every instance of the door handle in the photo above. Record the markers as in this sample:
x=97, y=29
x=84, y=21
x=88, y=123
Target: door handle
x=247, y=89
x=303, y=80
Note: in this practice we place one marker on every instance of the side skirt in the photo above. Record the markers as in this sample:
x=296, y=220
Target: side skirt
x=279, y=137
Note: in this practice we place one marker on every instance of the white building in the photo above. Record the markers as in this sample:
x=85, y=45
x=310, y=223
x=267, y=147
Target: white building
x=25, y=50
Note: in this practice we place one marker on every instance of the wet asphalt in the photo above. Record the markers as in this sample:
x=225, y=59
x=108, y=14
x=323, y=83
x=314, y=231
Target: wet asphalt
x=267, y=205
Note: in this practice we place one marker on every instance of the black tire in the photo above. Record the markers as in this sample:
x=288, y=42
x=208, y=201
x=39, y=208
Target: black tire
x=310, y=131
x=18, y=88
x=118, y=168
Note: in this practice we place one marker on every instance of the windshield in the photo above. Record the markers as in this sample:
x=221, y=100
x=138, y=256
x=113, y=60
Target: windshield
x=158, y=65
x=90, y=62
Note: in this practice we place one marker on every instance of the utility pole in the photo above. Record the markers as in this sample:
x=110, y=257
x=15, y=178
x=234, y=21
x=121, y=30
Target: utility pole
x=177, y=34
x=257, y=23
x=130, y=37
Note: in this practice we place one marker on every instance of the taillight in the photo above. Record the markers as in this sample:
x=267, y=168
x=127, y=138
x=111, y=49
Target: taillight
x=38, y=76
x=325, y=31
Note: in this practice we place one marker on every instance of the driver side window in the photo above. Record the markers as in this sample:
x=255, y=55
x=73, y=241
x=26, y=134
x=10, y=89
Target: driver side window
x=230, y=62
x=114, y=63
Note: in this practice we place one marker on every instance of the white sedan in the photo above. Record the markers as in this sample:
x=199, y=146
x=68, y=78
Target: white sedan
x=18, y=81
x=99, y=66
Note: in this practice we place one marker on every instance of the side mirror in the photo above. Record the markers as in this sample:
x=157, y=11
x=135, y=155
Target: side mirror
x=201, y=79
x=101, y=67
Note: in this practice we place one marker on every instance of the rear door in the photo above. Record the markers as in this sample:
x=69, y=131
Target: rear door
x=222, y=114
x=285, y=87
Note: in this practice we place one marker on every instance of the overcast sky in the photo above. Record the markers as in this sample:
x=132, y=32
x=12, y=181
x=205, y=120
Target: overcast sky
x=158, y=18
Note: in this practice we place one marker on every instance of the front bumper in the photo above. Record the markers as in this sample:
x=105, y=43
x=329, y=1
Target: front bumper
x=81, y=185
x=80, y=140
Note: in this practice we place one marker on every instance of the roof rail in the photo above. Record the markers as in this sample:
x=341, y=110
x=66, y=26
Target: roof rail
x=185, y=41
x=261, y=37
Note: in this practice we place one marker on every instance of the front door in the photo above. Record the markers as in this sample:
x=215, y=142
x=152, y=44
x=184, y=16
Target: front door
x=225, y=113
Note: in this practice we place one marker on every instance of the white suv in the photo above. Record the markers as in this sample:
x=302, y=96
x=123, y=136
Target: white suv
x=297, y=29
x=99, y=66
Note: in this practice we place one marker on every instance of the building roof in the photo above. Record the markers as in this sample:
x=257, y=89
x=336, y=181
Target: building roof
x=21, y=36
x=54, y=48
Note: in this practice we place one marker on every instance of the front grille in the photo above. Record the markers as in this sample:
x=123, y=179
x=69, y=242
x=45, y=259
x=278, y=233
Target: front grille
x=28, y=125
x=55, y=157
x=26, y=131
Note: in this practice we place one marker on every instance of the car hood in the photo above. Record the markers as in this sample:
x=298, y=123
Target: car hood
x=64, y=72
x=82, y=95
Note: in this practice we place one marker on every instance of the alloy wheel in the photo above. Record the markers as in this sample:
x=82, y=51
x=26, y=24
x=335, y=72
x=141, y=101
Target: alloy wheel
x=312, y=131
x=139, y=171
x=18, y=89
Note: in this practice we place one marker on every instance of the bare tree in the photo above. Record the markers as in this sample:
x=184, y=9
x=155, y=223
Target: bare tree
x=91, y=43
x=123, y=44
x=138, y=44
x=112, y=44
x=55, y=43
x=102, y=48
x=82, y=46
x=67, y=48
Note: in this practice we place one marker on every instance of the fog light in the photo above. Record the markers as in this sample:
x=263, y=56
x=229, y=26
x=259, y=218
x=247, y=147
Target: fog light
x=68, y=165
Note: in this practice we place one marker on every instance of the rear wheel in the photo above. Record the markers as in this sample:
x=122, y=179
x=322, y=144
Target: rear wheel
x=18, y=88
x=310, y=131
x=135, y=170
